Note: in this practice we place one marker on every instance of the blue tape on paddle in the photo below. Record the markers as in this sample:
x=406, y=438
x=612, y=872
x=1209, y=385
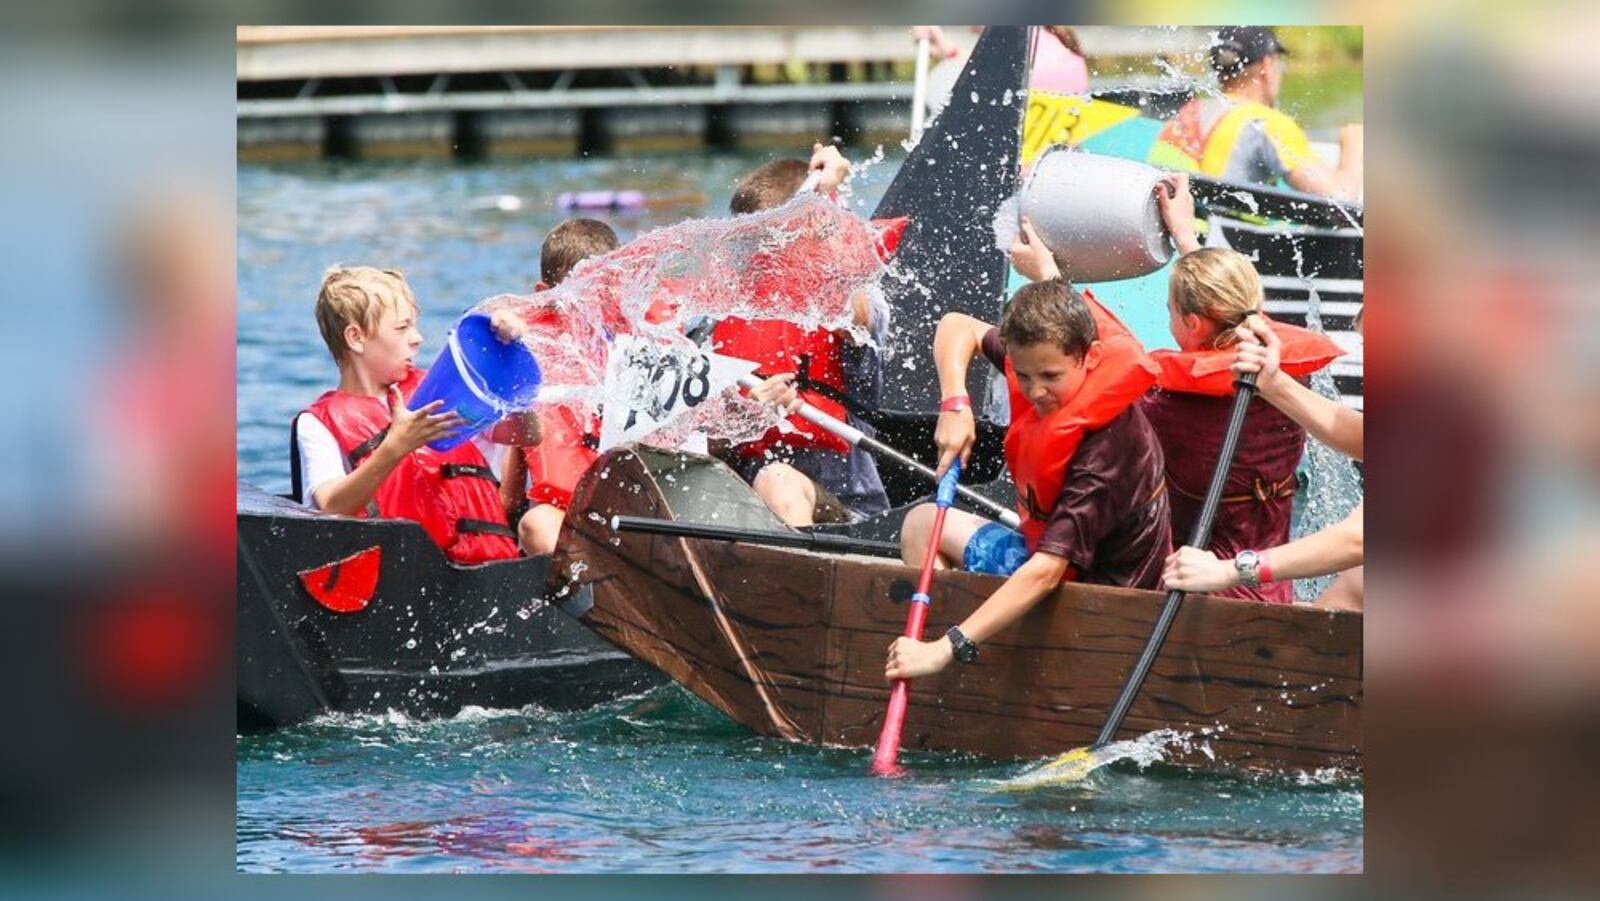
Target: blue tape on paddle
x=947, y=485
x=920, y=598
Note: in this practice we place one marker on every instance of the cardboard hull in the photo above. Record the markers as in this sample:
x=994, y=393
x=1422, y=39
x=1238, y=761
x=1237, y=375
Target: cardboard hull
x=792, y=643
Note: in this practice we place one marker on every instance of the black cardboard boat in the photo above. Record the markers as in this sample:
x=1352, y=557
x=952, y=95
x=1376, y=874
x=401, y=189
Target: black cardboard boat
x=336, y=613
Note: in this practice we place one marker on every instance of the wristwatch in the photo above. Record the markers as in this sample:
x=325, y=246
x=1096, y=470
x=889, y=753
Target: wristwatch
x=965, y=650
x=1248, y=563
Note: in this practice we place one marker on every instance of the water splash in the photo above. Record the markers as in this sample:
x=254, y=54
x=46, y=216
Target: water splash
x=1145, y=751
x=800, y=262
x=1333, y=488
x=1007, y=222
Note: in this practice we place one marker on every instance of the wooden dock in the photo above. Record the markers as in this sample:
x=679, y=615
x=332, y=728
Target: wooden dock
x=484, y=91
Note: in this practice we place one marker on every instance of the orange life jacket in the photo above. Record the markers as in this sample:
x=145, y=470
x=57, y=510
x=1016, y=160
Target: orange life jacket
x=778, y=346
x=1210, y=371
x=1040, y=449
x=452, y=494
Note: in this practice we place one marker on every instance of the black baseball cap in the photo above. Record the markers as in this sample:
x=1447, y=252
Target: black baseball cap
x=1237, y=46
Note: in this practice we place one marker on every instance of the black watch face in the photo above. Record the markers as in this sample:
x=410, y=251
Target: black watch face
x=965, y=650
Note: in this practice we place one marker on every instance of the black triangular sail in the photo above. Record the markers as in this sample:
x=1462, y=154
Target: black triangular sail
x=960, y=172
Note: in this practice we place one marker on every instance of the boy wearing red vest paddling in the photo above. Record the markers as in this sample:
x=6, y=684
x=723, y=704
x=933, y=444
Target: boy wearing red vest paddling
x=357, y=450
x=786, y=465
x=1087, y=465
x=1211, y=291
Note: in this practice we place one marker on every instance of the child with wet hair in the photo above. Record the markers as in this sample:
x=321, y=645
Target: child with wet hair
x=1086, y=464
x=1211, y=291
x=569, y=244
x=539, y=481
x=828, y=369
x=1338, y=548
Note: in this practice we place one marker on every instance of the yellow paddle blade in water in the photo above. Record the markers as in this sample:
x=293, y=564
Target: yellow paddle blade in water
x=1068, y=769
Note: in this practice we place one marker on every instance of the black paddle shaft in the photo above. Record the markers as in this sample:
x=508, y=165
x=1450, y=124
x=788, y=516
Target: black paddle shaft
x=812, y=541
x=1200, y=537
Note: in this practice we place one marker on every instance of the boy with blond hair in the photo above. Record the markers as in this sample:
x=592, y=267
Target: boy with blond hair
x=359, y=451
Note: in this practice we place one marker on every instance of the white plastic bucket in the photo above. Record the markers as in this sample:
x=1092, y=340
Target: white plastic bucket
x=1097, y=214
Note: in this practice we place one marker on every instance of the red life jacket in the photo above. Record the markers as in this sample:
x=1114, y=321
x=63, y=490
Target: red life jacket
x=1189, y=412
x=1039, y=449
x=778, y=346
x=561, y=457
x=452, y=494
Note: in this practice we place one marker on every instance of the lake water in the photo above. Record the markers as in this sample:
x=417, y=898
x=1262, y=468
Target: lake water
x=658, y=783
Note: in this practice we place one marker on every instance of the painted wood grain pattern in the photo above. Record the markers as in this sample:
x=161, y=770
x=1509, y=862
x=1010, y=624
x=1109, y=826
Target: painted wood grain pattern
x=792, y=643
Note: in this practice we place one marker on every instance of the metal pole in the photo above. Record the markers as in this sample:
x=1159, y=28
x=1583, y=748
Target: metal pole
x=919, y=91
x=811, y=541
x=854, y=436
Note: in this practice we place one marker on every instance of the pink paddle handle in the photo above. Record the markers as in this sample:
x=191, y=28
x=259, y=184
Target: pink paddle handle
x=885, y=758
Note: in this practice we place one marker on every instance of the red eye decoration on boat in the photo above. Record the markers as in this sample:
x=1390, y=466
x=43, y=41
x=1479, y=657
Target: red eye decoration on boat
x=345, y=586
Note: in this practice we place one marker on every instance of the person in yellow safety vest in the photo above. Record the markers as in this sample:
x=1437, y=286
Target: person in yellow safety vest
x=1241, y=137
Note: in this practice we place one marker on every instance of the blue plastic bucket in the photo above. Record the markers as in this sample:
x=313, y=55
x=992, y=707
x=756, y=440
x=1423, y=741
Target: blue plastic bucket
x=478, y=376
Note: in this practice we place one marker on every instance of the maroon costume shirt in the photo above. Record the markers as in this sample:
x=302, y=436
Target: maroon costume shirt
x=1259, y=493
x=1111, y=520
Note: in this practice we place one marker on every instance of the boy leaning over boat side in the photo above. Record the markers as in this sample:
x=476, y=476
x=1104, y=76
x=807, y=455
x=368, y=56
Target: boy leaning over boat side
x=550, y=470
x=786, y=465
x=357, y=449
x=1087, y=465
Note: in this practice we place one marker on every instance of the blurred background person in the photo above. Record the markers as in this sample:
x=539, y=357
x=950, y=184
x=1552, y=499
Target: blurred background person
x=1241, y=135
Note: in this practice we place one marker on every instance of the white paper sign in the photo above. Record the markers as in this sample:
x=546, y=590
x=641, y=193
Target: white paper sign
x=649, y=384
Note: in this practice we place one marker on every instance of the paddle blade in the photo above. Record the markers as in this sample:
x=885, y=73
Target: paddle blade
x=1070, y=768
x=885, y=760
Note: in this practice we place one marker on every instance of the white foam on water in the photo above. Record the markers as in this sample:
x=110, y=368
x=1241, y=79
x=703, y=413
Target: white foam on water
x=1145, y=751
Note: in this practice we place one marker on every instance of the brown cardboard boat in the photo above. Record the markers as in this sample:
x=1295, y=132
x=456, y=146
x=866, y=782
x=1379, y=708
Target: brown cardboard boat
x=791, y=643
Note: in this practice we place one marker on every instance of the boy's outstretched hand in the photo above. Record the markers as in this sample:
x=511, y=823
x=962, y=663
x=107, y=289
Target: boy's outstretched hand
x=1176, y=202
x=1030, y=256
x=910, y=658
x=409, y=430
x=832, y=164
